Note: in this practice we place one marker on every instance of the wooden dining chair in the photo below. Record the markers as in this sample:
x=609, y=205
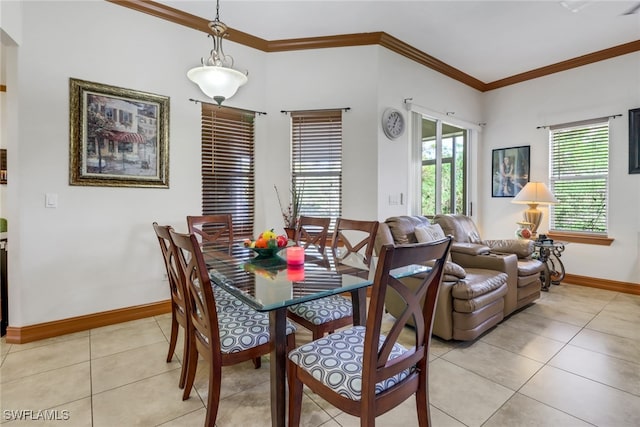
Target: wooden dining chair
x=363, y=372
x=216, y=229
x=179, y=311
x=325, y=315
x=312, y=231
x=223, y=336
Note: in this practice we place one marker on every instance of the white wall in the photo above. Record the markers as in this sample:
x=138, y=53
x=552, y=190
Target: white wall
x=597, y=90
x=97, y=251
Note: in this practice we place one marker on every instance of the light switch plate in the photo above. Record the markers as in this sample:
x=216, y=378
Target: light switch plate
x=51, y=200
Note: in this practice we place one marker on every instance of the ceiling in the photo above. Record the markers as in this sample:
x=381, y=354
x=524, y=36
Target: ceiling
x=489, y=40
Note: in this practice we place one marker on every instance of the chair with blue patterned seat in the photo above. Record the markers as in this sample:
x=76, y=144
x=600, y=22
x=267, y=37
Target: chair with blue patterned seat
x=224, y=334
x=325, y=315
x=363, y=372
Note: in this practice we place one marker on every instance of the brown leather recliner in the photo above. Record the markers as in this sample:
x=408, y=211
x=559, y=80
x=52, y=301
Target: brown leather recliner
x=471, y=298
x=524, y=287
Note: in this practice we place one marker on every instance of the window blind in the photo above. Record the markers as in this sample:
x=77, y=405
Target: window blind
x=579, y=168
x=228, y=166
x=316, y=161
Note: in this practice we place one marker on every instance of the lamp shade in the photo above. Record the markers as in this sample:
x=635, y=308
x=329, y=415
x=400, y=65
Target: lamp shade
x=218, y=83
x=535, y=193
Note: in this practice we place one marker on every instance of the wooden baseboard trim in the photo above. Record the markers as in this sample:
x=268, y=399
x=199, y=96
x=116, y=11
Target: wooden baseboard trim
x=610, y=285
x=25, y=334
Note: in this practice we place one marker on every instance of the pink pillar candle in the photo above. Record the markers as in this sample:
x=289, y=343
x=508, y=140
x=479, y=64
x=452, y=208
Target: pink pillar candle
x=295, y=255
x=295, y=273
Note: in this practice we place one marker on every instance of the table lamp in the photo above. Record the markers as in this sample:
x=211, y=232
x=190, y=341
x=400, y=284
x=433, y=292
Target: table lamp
x=534, y=194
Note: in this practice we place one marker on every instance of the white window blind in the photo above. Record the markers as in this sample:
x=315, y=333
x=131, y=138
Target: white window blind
x=579, y=175
x=228, y=165
x=316, y=161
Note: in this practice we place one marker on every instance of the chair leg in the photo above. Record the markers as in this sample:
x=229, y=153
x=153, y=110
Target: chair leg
x=192, y=365
x=257, y=362
x=174, y=336
x=213, y=400
x=295, y=395
x=185, y=359
x=422, y=403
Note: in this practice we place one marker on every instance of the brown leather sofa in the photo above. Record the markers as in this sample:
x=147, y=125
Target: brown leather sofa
x=524, y=286
x=472, y=296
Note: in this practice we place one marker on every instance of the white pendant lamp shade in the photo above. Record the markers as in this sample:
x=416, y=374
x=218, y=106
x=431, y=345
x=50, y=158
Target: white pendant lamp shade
x=216, y=77
x=218, y=83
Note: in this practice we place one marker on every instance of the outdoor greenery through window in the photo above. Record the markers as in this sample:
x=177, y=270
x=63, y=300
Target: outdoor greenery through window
x=579, y=168
x=228, y=165
x=444, y=164
x=316, y=161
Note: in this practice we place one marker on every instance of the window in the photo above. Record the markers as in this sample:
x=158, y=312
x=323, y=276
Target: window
x=579, y=166
x=316, y=161
x=228, y=165
x=443, y=168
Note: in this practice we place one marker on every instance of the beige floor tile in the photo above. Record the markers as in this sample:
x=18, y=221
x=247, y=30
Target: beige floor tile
x=463, y=395
x=72, y=414
x=619, y=347
x=573, y=303
x=123, y=325
x=121, y=339
x=599, y=367
x=588, y=400
x=192, y=419
x=403, y=415
x=326, y=406
x=128, y=366
x=47, y=389
x=501, y=366
x=235, y=378
x=148, y=402
x=525, y=343
x=252, y=408
x=524, y=411
x=615, y=324
x=575, y=291
x=560, y=313
x=440, y=419
x=47, y=341
x=20, y=364
x=543, y=326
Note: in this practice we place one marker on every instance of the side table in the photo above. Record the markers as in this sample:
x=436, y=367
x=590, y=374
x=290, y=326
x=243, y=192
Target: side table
x=549, y=252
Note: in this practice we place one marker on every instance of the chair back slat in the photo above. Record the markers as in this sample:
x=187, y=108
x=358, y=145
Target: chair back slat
x=312, y=231
x=178, y=292
x=202, y=306
x=210, y=229
x=357, y=237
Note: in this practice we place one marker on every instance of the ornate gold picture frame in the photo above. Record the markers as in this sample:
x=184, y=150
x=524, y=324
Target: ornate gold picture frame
x=118, y=137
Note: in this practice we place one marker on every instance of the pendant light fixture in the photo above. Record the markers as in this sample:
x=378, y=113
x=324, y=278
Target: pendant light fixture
x=216, y=77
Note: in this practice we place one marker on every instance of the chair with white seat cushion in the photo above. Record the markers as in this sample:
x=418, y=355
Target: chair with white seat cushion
x=363, y=372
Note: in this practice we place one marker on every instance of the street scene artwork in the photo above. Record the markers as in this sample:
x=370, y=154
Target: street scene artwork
x=119, y=136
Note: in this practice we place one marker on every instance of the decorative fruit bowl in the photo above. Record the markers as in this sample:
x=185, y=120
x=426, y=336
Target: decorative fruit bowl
x=267, y=252
x=268, y=244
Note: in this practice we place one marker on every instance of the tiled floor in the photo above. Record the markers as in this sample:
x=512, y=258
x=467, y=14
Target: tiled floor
x=570, y=359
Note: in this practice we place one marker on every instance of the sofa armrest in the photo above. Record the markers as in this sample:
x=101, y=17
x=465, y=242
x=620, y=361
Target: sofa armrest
x=383, y=237
x=521, y=247
x=469, y=248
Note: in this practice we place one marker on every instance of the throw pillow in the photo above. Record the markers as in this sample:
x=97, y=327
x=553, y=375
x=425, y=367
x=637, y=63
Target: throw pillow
x=429, y=233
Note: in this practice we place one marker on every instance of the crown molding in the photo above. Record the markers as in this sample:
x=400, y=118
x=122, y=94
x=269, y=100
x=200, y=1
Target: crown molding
x=380, y=38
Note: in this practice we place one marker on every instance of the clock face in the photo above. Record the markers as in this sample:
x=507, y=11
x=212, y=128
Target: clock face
x=392, y=123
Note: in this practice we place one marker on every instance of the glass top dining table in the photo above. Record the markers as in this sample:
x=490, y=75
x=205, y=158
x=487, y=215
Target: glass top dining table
x=271, y=285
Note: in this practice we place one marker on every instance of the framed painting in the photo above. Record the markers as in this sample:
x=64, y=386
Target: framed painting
x=509, y=171
x=634, y=140
x=118, y=137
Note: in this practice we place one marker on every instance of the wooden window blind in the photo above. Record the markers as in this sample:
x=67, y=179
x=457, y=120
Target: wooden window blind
x=228, y=166
x=579, y=167
x=316, y=161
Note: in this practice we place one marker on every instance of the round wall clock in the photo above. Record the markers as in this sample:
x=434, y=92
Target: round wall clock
x=392, y=123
